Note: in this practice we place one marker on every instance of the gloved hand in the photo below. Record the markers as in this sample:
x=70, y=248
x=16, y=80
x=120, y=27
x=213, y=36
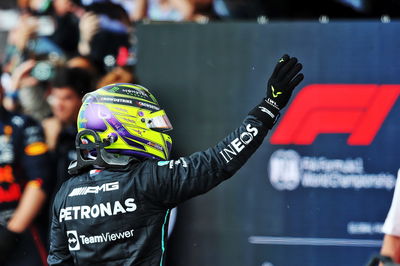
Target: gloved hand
x=8, y=241
x=283, y=80
x=281, y=84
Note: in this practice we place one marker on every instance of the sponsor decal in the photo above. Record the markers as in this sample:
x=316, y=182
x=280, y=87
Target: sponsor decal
x=148, y=106
x=162, y=163
x=155, y=145
x=34, y=138
x=10, y=191
x=120, y=109
x=114, y=89
x=135, y=93
x=118, y=100
x=36, y=148
x=37, y=183
x=127, y=120
x=288, y=170
x=7, y=130
x=265, y=110
x=173, y=163
x=6, y=150
x=6, y=174
x=181, y=160
x=13, y=193
x=238, y=144
x=80, y=191
x=75, y=241
x=94, y=172
x=139, y=132
x=18, y=121
x=34, y=130
x=355, y=109
x=97, y=210
x=275, y=94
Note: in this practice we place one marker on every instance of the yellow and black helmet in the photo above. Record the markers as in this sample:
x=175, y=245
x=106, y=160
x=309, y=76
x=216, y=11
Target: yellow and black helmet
x=129, y=118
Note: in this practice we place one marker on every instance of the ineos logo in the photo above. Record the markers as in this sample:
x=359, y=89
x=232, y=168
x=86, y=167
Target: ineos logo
x=238, y=144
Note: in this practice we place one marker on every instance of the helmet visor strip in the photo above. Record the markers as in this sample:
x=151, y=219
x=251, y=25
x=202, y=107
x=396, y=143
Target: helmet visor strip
x=159, y=121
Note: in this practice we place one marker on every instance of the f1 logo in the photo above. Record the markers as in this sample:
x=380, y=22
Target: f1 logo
x=356, y=109
x=73, y=241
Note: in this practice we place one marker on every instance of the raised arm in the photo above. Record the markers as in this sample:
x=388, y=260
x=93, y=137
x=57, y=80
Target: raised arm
x=178, y=180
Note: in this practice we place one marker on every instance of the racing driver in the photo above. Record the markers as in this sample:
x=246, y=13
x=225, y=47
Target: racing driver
x=115, y=209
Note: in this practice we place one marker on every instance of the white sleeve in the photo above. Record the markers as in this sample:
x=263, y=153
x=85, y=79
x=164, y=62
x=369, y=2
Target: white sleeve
x=392, y=222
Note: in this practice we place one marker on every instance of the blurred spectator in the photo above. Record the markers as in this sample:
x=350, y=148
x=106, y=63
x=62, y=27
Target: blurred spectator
x=169, y=10
x=6, y=4
x=117, y=75
x=391, y=227
x=17, y=43
x=28, y=88
x=24, y=184
x=128, y=5
x=67, y=15
x=67, y=89
x=29, y=39
x=104, y=29
x=35, y=7
x=239, y=9
x=83, y=63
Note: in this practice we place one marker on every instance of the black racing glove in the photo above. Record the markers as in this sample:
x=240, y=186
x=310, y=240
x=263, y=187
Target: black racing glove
x=8, y=241
x=279, y=89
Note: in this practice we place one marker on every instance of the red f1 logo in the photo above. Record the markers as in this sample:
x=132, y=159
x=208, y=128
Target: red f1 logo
x=336, y=108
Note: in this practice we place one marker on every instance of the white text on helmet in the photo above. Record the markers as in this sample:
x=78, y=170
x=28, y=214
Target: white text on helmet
x=134, y=92
x=150, y=106
x=115, y=100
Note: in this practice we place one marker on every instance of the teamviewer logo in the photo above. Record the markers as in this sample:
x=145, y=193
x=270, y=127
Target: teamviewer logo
x=73, y=241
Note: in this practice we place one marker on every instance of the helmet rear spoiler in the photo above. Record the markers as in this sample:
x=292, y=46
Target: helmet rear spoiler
x=103, y=159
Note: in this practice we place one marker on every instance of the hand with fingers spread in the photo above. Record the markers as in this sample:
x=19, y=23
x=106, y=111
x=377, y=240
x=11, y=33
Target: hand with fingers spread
x=283, y=80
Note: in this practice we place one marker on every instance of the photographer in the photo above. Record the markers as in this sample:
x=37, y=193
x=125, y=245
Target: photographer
x=26, y=89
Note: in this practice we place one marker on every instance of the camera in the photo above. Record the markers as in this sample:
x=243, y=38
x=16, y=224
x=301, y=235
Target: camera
x=43, y=70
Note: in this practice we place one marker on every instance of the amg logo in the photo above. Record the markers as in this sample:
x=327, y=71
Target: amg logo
x=95, y=189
